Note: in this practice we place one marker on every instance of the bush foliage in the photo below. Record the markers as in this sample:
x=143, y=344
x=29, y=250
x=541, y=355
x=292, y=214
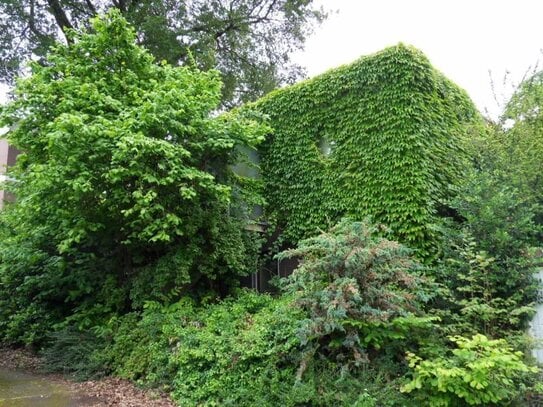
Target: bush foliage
x=344, y=332
x=124, y=182
x=123, y=251
x=316, y=344
x=480, y=371
x=361, y=292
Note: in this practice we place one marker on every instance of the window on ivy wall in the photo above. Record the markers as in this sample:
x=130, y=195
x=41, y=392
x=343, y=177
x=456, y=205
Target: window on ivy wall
x=248, y=166
x=326, y=146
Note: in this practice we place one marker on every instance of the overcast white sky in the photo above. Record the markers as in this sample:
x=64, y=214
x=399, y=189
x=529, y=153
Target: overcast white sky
x=462, y=38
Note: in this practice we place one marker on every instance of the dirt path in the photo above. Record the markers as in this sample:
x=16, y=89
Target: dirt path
x=106, y=392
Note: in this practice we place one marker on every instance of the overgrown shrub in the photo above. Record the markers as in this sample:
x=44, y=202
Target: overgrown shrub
x=361, y=292
x=243, y=351
x=356, y=298
x=487, y=268
x=140, y=345
x=228, y=347
x=234, y=352
x=480, y=371
x=337, y=335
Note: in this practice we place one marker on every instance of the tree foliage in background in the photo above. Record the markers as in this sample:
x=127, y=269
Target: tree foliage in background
x=489, y=258
x=519, y=141
x=124, y=189
x=248, y=41
x=383, y=137
x=487, y=262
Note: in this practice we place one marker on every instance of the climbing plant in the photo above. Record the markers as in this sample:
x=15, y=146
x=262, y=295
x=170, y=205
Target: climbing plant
x=383, y=137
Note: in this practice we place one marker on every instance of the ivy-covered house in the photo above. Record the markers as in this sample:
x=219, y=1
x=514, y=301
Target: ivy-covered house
x=383, y=137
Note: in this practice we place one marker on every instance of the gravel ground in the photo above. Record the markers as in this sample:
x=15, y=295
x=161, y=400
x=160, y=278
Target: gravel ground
x=107, y=392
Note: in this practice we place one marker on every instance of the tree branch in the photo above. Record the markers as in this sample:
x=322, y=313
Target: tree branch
x=121, y=5
x=61, y=18
x=91, y=7
x=32, y=22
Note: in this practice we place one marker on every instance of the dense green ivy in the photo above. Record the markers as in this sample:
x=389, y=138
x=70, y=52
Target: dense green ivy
x=382, y=137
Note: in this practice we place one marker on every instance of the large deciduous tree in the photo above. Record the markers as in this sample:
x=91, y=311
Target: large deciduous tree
x=522, y=138
x=249, y=41
x=124, y=189
x=513, y=149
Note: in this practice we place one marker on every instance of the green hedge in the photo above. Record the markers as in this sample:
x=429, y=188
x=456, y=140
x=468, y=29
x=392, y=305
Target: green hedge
x=396, y=128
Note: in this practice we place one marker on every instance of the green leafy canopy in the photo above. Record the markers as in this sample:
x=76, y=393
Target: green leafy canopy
x=248, y=41
x=124, y=164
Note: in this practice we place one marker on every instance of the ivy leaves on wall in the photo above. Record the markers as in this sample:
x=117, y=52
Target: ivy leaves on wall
x=397, y=127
